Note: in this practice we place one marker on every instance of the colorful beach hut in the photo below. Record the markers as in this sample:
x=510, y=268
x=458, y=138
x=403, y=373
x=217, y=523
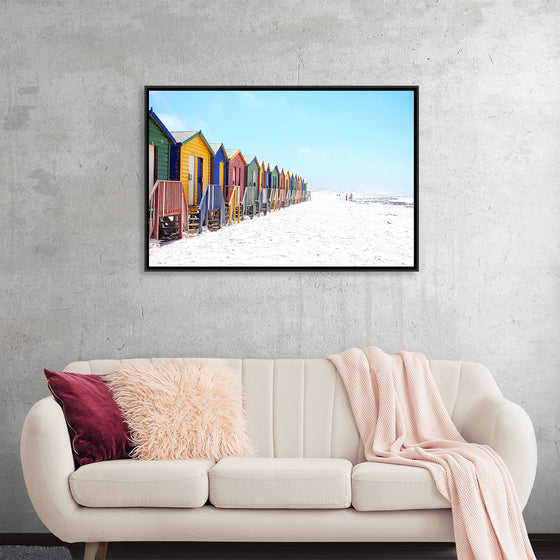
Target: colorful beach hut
x=190, y=161
x=237, y=181
x=237, y=170
x=159, y=142
x=275, y=185
x=267, y=170
x=262, y=177
x=268, y=185
x=263, y=193
x=292, y=189
x=220, y=164
x=251, y=195
x=167, y=208
x=282, y=191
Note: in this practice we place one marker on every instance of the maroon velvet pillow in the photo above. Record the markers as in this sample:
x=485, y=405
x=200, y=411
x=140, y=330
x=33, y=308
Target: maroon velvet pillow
x=95, y=423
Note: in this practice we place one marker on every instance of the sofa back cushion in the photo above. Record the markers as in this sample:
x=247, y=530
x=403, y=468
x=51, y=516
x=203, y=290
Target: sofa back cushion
x=299, y=407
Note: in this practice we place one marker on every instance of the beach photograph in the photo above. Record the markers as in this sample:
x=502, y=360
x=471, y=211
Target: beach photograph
x=282, y=178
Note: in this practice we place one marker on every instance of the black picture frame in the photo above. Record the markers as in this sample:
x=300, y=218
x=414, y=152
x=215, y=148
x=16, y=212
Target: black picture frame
x=178, y=148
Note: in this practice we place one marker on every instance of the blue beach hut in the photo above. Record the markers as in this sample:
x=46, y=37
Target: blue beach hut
x=220, y=164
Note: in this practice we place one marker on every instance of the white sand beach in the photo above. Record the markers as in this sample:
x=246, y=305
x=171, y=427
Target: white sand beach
x=370, y=230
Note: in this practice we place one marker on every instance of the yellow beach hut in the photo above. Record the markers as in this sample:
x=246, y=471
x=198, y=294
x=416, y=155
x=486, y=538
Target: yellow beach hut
x=263, y=192
x=289, y=182
x=191, y=163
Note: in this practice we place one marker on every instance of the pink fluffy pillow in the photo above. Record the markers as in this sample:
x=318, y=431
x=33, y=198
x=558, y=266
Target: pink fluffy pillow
x=181, y=409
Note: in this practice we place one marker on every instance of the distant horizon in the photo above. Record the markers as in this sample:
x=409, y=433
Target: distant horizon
x=331, y=138
x=348, y=191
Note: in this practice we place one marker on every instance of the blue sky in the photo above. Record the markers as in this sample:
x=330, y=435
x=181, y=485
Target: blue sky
x=360, y=140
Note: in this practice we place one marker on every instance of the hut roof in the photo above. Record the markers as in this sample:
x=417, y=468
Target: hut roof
x=184, y=136
x=249, y=159
x=216, y=147
x=232, y=153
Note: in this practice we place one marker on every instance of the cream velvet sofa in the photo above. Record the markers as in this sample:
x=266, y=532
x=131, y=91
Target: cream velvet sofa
x=308, y=482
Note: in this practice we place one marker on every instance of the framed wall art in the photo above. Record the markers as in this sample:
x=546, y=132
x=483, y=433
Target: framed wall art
x=281, y=178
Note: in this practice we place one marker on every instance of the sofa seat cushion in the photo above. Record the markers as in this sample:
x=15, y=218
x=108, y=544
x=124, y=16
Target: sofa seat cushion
x=382, y=487
x=281, y=483
x=136, y=483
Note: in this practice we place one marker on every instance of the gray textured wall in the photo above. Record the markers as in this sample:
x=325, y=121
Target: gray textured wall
x=71, y=161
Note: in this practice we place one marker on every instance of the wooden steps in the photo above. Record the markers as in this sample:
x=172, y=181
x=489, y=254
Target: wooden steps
x=194, y=221
x=169, y=227
x=214, y=220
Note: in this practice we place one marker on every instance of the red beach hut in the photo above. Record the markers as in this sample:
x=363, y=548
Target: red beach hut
x=237, y=170
x=237, y=181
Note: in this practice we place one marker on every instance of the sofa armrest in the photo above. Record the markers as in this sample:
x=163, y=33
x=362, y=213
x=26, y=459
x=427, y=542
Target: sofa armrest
x=47, y=461
x=507, y=428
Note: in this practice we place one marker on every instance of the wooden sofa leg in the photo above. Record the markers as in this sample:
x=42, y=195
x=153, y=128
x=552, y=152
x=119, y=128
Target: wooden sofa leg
x=102, y=550
x=90, y=551
x=95, y=551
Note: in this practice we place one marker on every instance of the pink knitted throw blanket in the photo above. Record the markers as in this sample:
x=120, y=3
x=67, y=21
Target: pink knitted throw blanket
x=402, y=420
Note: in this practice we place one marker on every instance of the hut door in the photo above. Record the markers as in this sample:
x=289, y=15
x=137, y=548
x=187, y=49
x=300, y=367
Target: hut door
x=222, y=173
x=199, y=180
x=191, y=180
x=152, y=164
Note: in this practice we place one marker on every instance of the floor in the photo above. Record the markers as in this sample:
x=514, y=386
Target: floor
x=545, y=549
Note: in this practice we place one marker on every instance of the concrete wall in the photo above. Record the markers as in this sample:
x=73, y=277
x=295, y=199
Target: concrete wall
x=71, y=181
